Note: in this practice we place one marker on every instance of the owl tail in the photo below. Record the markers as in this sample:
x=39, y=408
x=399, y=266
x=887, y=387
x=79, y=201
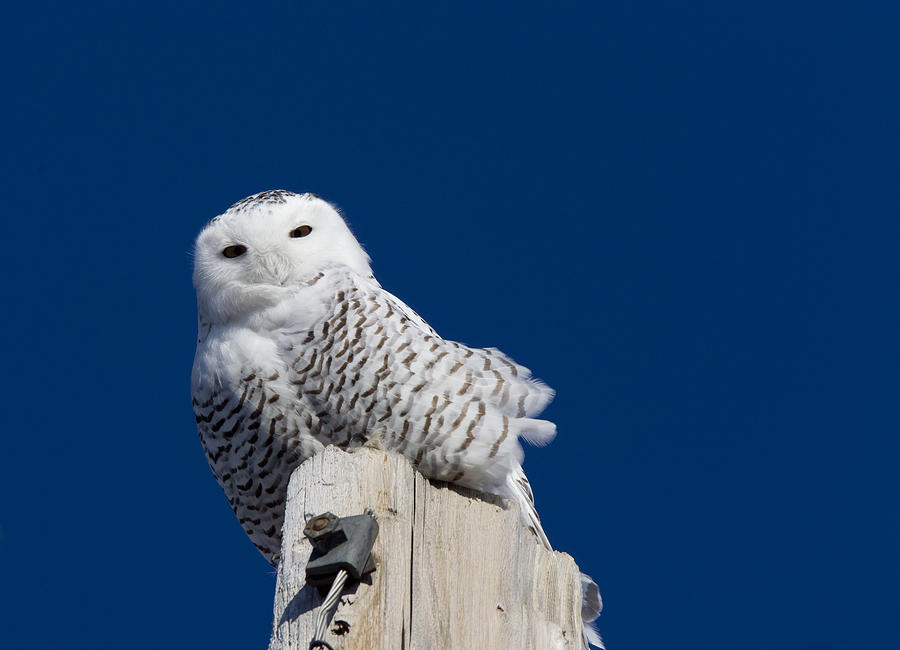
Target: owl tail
x=591, y=606
x=518, y=489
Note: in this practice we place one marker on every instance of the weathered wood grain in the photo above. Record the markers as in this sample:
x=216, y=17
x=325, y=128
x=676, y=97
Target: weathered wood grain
x=456, y=569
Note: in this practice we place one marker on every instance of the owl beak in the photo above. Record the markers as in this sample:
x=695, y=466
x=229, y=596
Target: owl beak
x=273, y=268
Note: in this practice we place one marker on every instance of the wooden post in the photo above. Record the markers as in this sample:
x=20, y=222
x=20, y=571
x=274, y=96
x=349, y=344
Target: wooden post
x=455, y=568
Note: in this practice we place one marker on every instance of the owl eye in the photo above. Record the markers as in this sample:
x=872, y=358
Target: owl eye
x=234, y=251
x=302, y=231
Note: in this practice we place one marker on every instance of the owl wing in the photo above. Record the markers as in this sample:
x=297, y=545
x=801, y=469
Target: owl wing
x=372, y=369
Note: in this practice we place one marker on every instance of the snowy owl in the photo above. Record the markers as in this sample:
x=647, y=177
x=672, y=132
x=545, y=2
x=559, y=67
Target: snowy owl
x=299, y=347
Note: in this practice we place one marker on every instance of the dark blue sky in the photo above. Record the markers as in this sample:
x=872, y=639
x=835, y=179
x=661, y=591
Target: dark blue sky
x=683, y=218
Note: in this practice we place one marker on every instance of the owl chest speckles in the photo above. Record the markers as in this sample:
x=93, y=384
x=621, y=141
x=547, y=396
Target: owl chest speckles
x=257, y=417
x=251, y=444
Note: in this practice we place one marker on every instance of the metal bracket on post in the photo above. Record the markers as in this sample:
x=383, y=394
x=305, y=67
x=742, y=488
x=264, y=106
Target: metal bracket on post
x=340, y=543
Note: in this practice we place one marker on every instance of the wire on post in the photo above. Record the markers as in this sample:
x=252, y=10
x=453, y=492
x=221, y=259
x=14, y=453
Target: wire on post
x=342, y=550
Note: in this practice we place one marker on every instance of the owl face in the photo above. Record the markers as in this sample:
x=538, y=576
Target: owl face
x=266, y=246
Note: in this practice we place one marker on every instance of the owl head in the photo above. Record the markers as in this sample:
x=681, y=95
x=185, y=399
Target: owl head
x=265, y=246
